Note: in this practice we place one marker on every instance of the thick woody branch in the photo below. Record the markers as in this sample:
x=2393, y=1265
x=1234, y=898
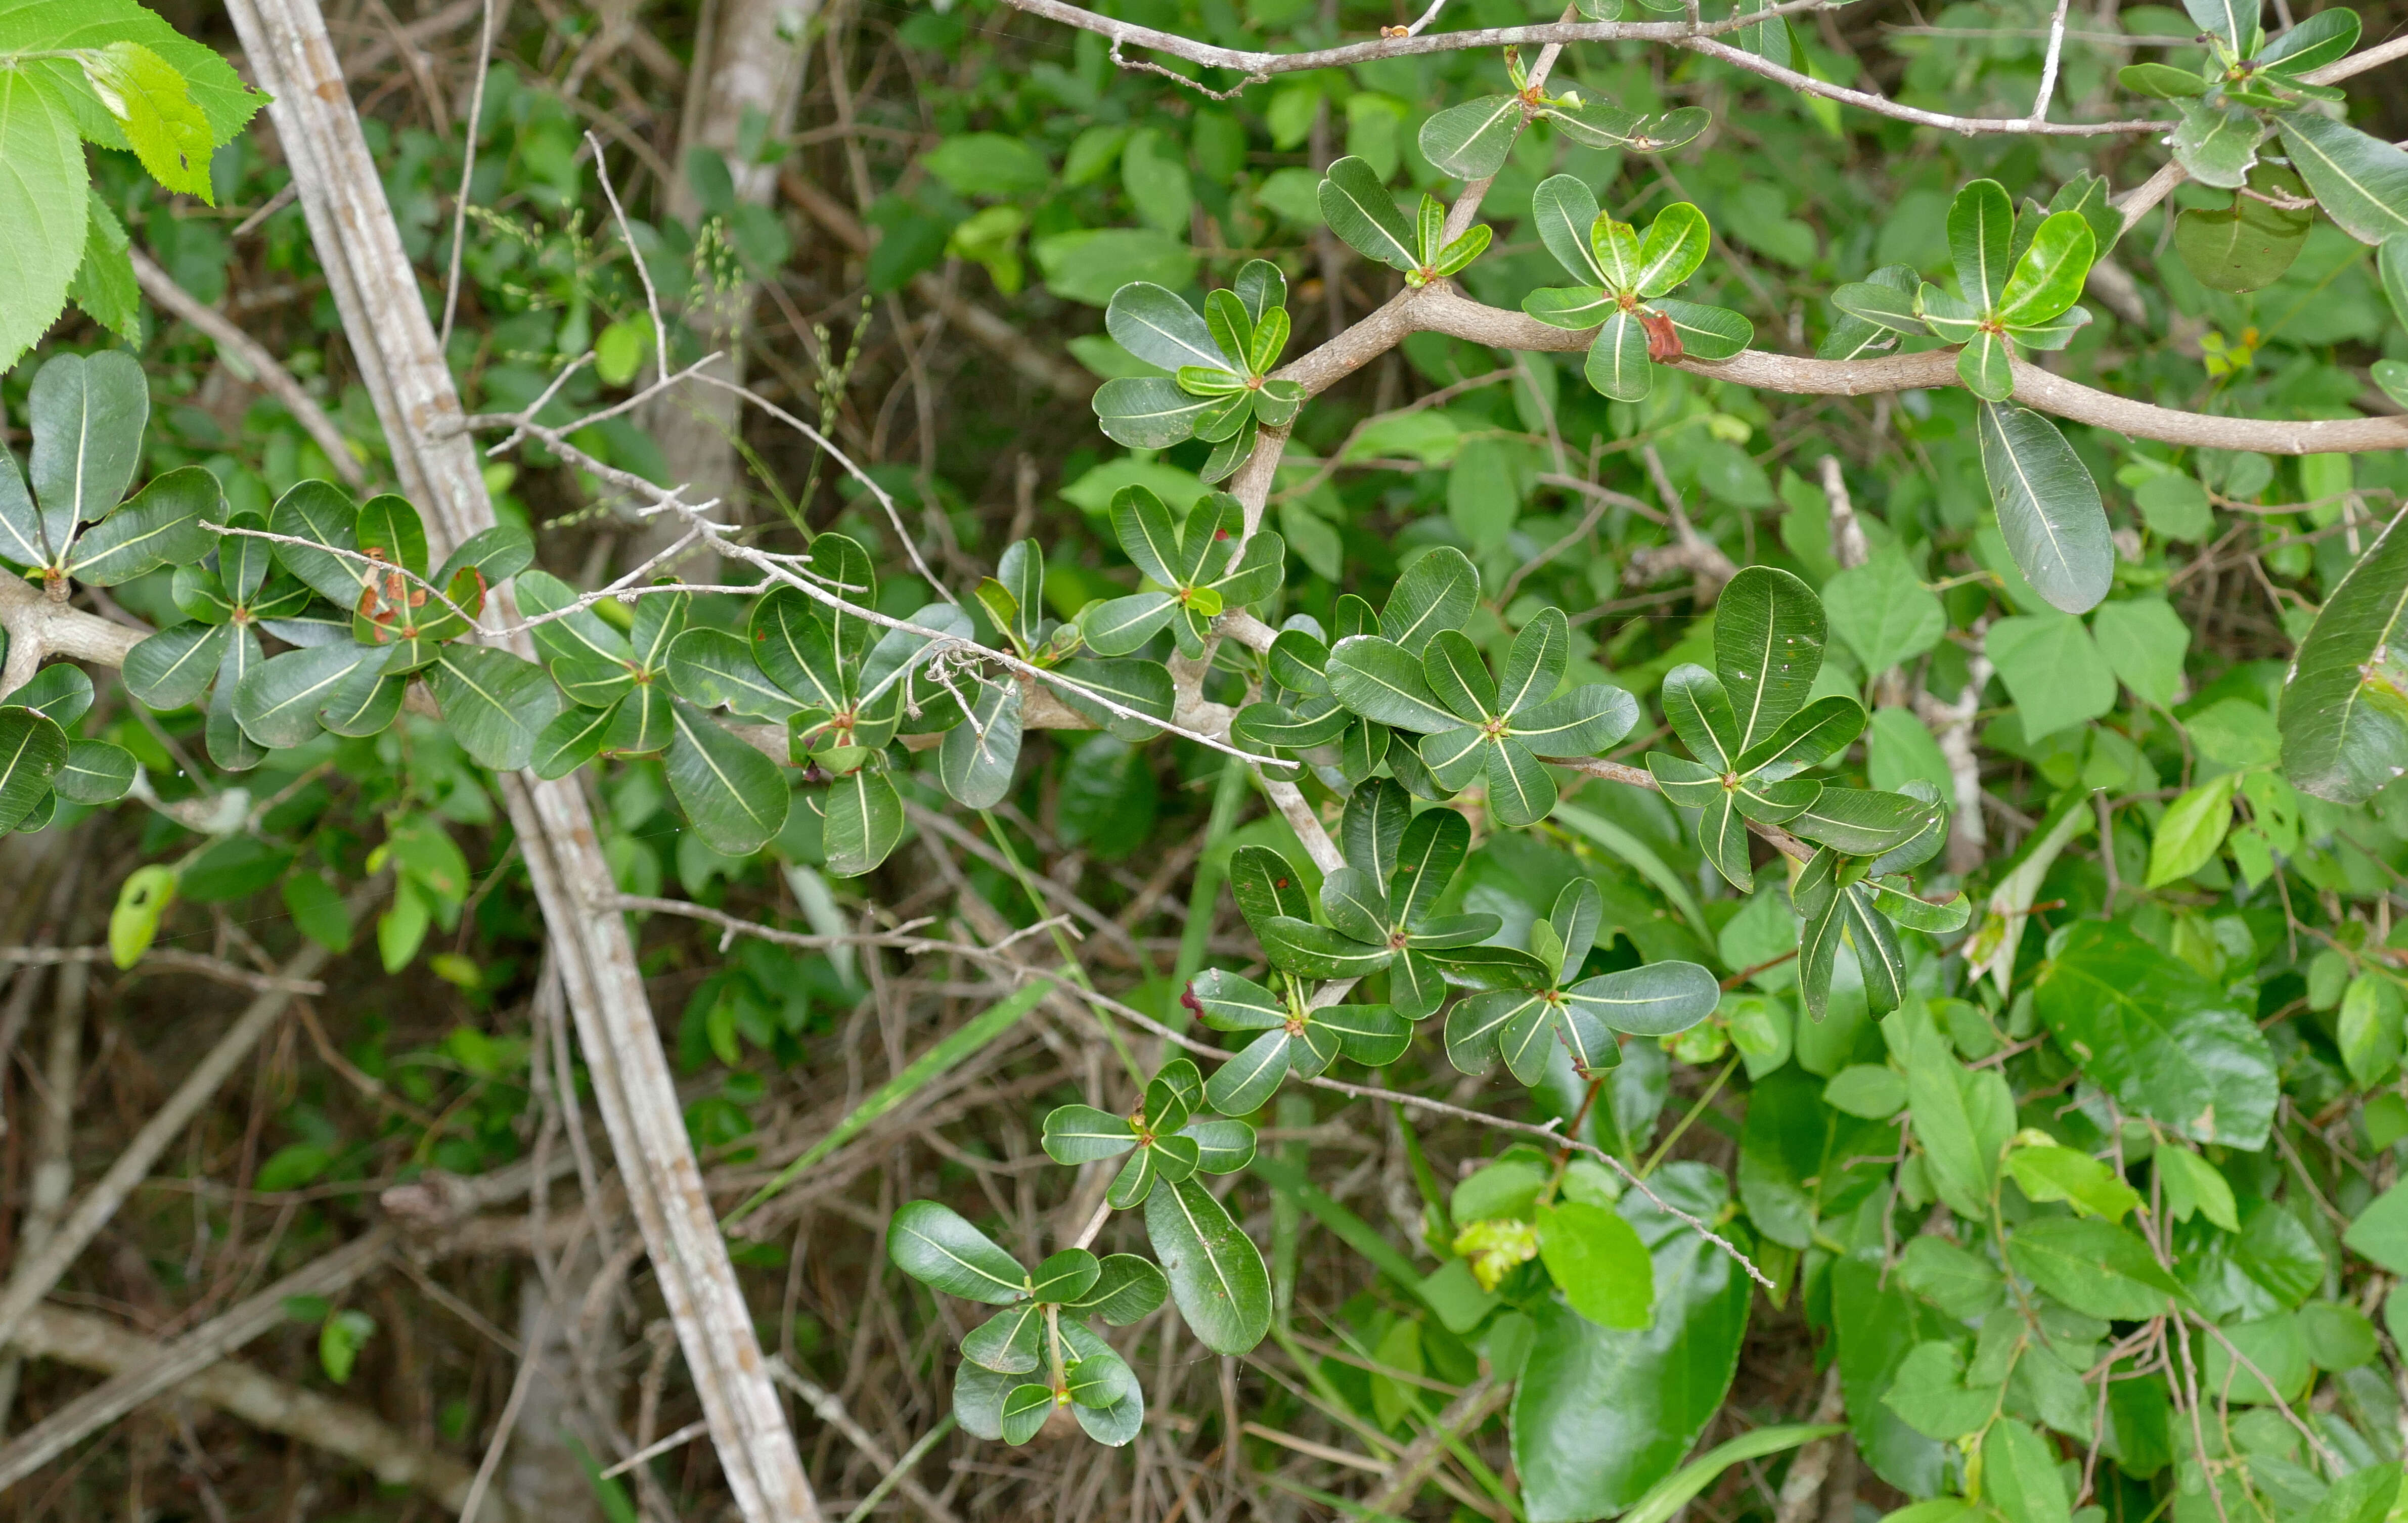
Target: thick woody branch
x=39, y=627
x=1438, y=307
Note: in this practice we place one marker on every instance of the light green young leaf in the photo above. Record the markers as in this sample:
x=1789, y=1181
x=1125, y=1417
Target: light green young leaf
x=43, y=208
x=2192, y=830
x=149, y=99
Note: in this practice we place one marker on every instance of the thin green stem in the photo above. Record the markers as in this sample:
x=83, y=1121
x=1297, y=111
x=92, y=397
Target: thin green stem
x=1694, y=1111
x=1070, y=963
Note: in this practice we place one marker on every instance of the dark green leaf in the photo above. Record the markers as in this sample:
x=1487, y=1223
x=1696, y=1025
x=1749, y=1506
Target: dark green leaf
x=1469, y=141
x=1364, y=215
x=1216, y=1274
x=88, y=413
x=32, y=750
x=933, y=1245
x=2048, y=507
x=2345, y=707
x=163, y=525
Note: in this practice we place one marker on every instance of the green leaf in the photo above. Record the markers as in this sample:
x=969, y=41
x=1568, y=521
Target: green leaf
x=2061, y=1174
x=1469, y=141
x=2048, y=278
x=1148, y=413
x=1604, y=1415
x=1618, y=367
x=2361, y=182
x=734, y=795
x=2053, y=671
x=976, y=758
x=1981, y=231
x=2345, y=705
x=1216, y=1273
x=2168, y=1045
x=1882, y=305
x=2162, y=82
x=2095, y=1267
x=1769, y=636
x=148, y=97
x=172, y=669
x=324, y=516
x=1675, y=246
x=712, y=667
x=142, y=899
x=340, y=1338
x=1667, y=1497
x=163, y=525
x=1126, y=1289
x=2019, y=1475
x=1380, y=680
x=1883, y=612
x=44, y=208
x=1154, y=325
x=2217, y=144
x=2325, y=37
x=1986, y=366
x=88, y=413
x=864, y=821
x=1359, y=209
x=2191, y=831
x=104, y=285
x=1596, y=1258
x=1871, y=1090
x=2248, y=245
x=494, y=703
x=1655, y=1000
x=1963, y=1117
x=2143, y=641
x=277, y=704
x=60, y=692
x=1438, y=591
x=2048, y=507
x=1565, y=209
x=94, y=772
x=2193, y=1184
x=32, y=750
x=933, y=1245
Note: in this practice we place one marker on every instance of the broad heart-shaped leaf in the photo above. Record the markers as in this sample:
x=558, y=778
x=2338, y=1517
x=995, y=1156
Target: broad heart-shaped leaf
x=1216, y=1274
x=933, y=1245
x=277, y=704
x=1602, y=1414
x=172, y=669
x=88, y=413
x=1598, y=1261
x=713, y=669
x=44, y=207
x=2234, y=22
x=1653, y=1000
x=164, y=525
x=2097, y=1267
x=1438, y=591
x=494, y=703
x=1676, y=245
x=2048, y=278
x=1382, y=682
x=1148, y=413
x=734, y=795
x=32, y=750
x=2048, y=507
x=1151, y=323
x=2167, y=1043
x=1618, y=367
x=2345, y=707
x=1565, y=209
x=2361, y=182
x=1706, y=333
x=1981, y=232
x=1769, y=637
x=1469, y=141
x=976, y=759
x=2216, y=144
x=2325, y=37
x=1359, y=209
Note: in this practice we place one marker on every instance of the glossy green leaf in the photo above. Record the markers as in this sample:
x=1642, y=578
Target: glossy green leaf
x=1675, y=246
x=864, y=821
x=172, y=669
x=1769, y=636
x=1469, y=141
x=1364, y=215
x=1981, y=230
x=933, y=1245
x=1706, y=333
x=1216, y=1273
x=1382, y=681
x=44, y=207
x=1618, y=367
x=2048, y=507
x=1148, y=413
x=32, y=750
x=976, y=759
x=164, y=525
x=713, y=669
x=2048, y=278
x=2053, y=670
x=1602, y=1414
x=1438, y=591
x=2217, y=144
x=2168, y=1045
x=1596, y=1258
x=494, y=703
x=2344, y=706
x=277, y=704
x=1565, y=209
x=88, y=413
